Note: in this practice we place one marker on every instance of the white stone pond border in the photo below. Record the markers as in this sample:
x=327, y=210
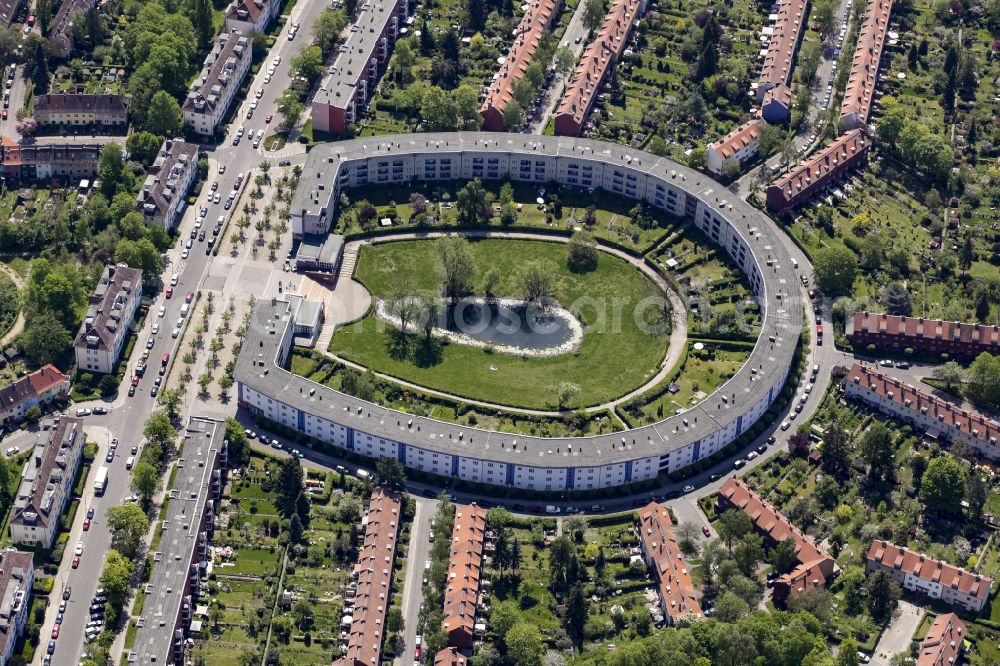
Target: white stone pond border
x=571, y=345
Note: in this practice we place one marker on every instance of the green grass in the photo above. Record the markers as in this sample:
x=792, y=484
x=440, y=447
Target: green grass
x=605, y=366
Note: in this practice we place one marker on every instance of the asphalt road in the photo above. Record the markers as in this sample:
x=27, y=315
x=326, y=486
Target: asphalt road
x=418, y=553
x=575, y=30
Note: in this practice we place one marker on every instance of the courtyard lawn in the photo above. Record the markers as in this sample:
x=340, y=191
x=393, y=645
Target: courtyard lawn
x=606, y=365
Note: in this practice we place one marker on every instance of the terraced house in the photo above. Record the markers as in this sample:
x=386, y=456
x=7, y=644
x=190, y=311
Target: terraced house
x=859, y=97
x=345, y=91
x=897, y=333
x=934, y=578
x=942, y=646
x=215, y=88
x=663, y=555
x=817, y=173
x=32, y=161
x=71, y=109
x=167, y=182
x=47, y=484
x=42, y=387
x=461, y=596
x=737, y=147
x=938, y=418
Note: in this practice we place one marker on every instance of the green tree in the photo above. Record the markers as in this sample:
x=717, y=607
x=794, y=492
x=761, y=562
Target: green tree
x=391, y=472
x=143, y=147
x=158, y=429
x=164, y=116
x=730, y=608
x=577, y=611
x=290, y=107
x=308, y=63
x=524, y=644
x=457, y=266
x=536, y=281
x=951, y=373
x=115, y=579
x=438, y=109
x=236, y=436
x=146, y=481
x=111, y=170
x=564, y=392
x=877, y=450
x=36, y=61
x=943, y=484
x=327, y=28
x=583, y=255
x=202, y=19
x=593, y=14
x=45, y=339
x=170, y=398
x=295, y=529
x=748, y=553
x=847, y=655
x=697, y=157
x=783, y=555
x=733, y=525
x=835, y=269
x=984, y=381
x=977, y=491
x=513, y=115
x=836, y=451
x=289, y=483
x=883, y=595
x=128, y=525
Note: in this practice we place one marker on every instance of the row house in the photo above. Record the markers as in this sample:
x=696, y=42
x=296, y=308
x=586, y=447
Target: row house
x=938, y=418
x=39, y=388
x=108, y=322
x=779, y=59
x=818, y=172
x=814, y=566
x=73, y=109
x=215, y=88
x=47, y=484
x=595, y=67
x=42, y=161
x=859, y=96
x=8, y=10
x=61, y=29
x=465, y=570
x=935, y=579
x=167, y=182
x=942, y=646
x=670, y=569
x=897, y=333
x=528, y=35
x=739, y=147
x=345, y=91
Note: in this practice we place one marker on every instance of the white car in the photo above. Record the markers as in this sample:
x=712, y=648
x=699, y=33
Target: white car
x=751, y=455
x=253, y=104
x=163, y=311
x=189, y=244
x=270, y=71
x=173, y=280
x=184, y=253
x=217, y=198
x=240, y=131
x=276, y=61
x=267, y=78
x=175, y=333
x=259, y=93
x=215, y=185
x=83, y=412
x=222, y=169
x=156, y=327
x=785, y=425
x=198, y=222
x=79, y=548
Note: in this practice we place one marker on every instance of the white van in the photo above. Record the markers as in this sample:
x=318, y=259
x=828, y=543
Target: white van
x=129, y=462
x=795, y=263
x=184, y=310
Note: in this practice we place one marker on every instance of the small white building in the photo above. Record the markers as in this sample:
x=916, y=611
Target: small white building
x=17, y=575
x=214, y=89
x=107, y=323
x=740, y=146
x=251, y=15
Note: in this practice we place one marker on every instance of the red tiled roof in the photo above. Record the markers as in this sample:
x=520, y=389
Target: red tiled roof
x=822, y=165
x=672, y=573
x=859, y=94
x=374, y=579
x=597, y=58
x=916, y=329
x=528, y=35
x=46, y=378
x=805, y=576
x=738, y=139
x=51, y=103
x=461, y=597
x=946, y=414
x=947, y=575
x=449, y=657
x=779, y=93
x=781, y=49
x=943, y=642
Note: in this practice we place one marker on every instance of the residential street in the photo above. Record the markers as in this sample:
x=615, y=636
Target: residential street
x=575, y=30
x=896, y=638
x=418, y=553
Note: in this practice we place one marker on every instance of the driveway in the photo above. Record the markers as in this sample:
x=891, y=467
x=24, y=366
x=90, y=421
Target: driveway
x=897, y=636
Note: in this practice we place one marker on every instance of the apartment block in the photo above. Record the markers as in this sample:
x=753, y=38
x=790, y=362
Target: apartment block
x=33, y=161
x=942, y=646
x=61, y=28
x=818, y=172
x=898, y=333
x=370, y=590
x=934, y=578
x=251, y=15
x=859, y=96
x=528, y=35
x=180, y=566
x=107, y=324
x=670, y=570
x=739, y=146
x=461, y=597
x=17, y=575
x=47, y=484
x=8, y=10
x=42, y=387
x=815, y=567
x=785, y=37
x=167, y=182
x=938, y=418
x=596, y=65
x=345, y=91
x=71, y=109
x=213, y=91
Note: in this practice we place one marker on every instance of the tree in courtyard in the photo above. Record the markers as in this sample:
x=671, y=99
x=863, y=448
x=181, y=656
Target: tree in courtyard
x=733, y=525
x=524, y=644
x=146, y=481
x=457, y=265
x=111, y=170
x=391, y=472
x=401, y=304
x=748, y=553
x=977, y=491
x=593, y=14
x=984, y=381
x=836, y=451
x=897, y=299
x=474, y=203
x=883, y=595
x=564, y=60
x=943, y=484
x=289, y=483
x=202, y=20
x=536, y=282
x=513, y=115
x=164, y=116
x=561, y=554
x=115, y=579
x=582, y=252
x=143, y=147
x=878, y=452
x=577, y=611
x=783, y=555
x=951, y=373
x=418, y=203
x=918, y=466
x=847, y=655
x=204, y=379
x=564, y=392
x=128, y=525
x=835, y=269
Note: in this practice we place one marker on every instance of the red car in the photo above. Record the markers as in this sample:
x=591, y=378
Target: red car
x=268, y=117
x=55, y=631
x=170, y=292
x=86, y=524
x=76, y=562
x=4, y=114
x=135, y=380
x=189, y=297
x=704, y=530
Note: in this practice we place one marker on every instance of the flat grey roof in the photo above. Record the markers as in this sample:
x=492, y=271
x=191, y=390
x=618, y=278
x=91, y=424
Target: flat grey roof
x=203, y=439
x=781, y=320
x=320, y=248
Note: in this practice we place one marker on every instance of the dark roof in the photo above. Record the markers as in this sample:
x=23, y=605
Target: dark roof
x=106, y=304
x=217, y=74
x=161, y=185
x=30, y=386
x=15, y=569
x=83, y=103
x=45, y=472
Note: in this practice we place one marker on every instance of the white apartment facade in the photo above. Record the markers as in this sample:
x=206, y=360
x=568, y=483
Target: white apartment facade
x=107, y=323
x=215, y=88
